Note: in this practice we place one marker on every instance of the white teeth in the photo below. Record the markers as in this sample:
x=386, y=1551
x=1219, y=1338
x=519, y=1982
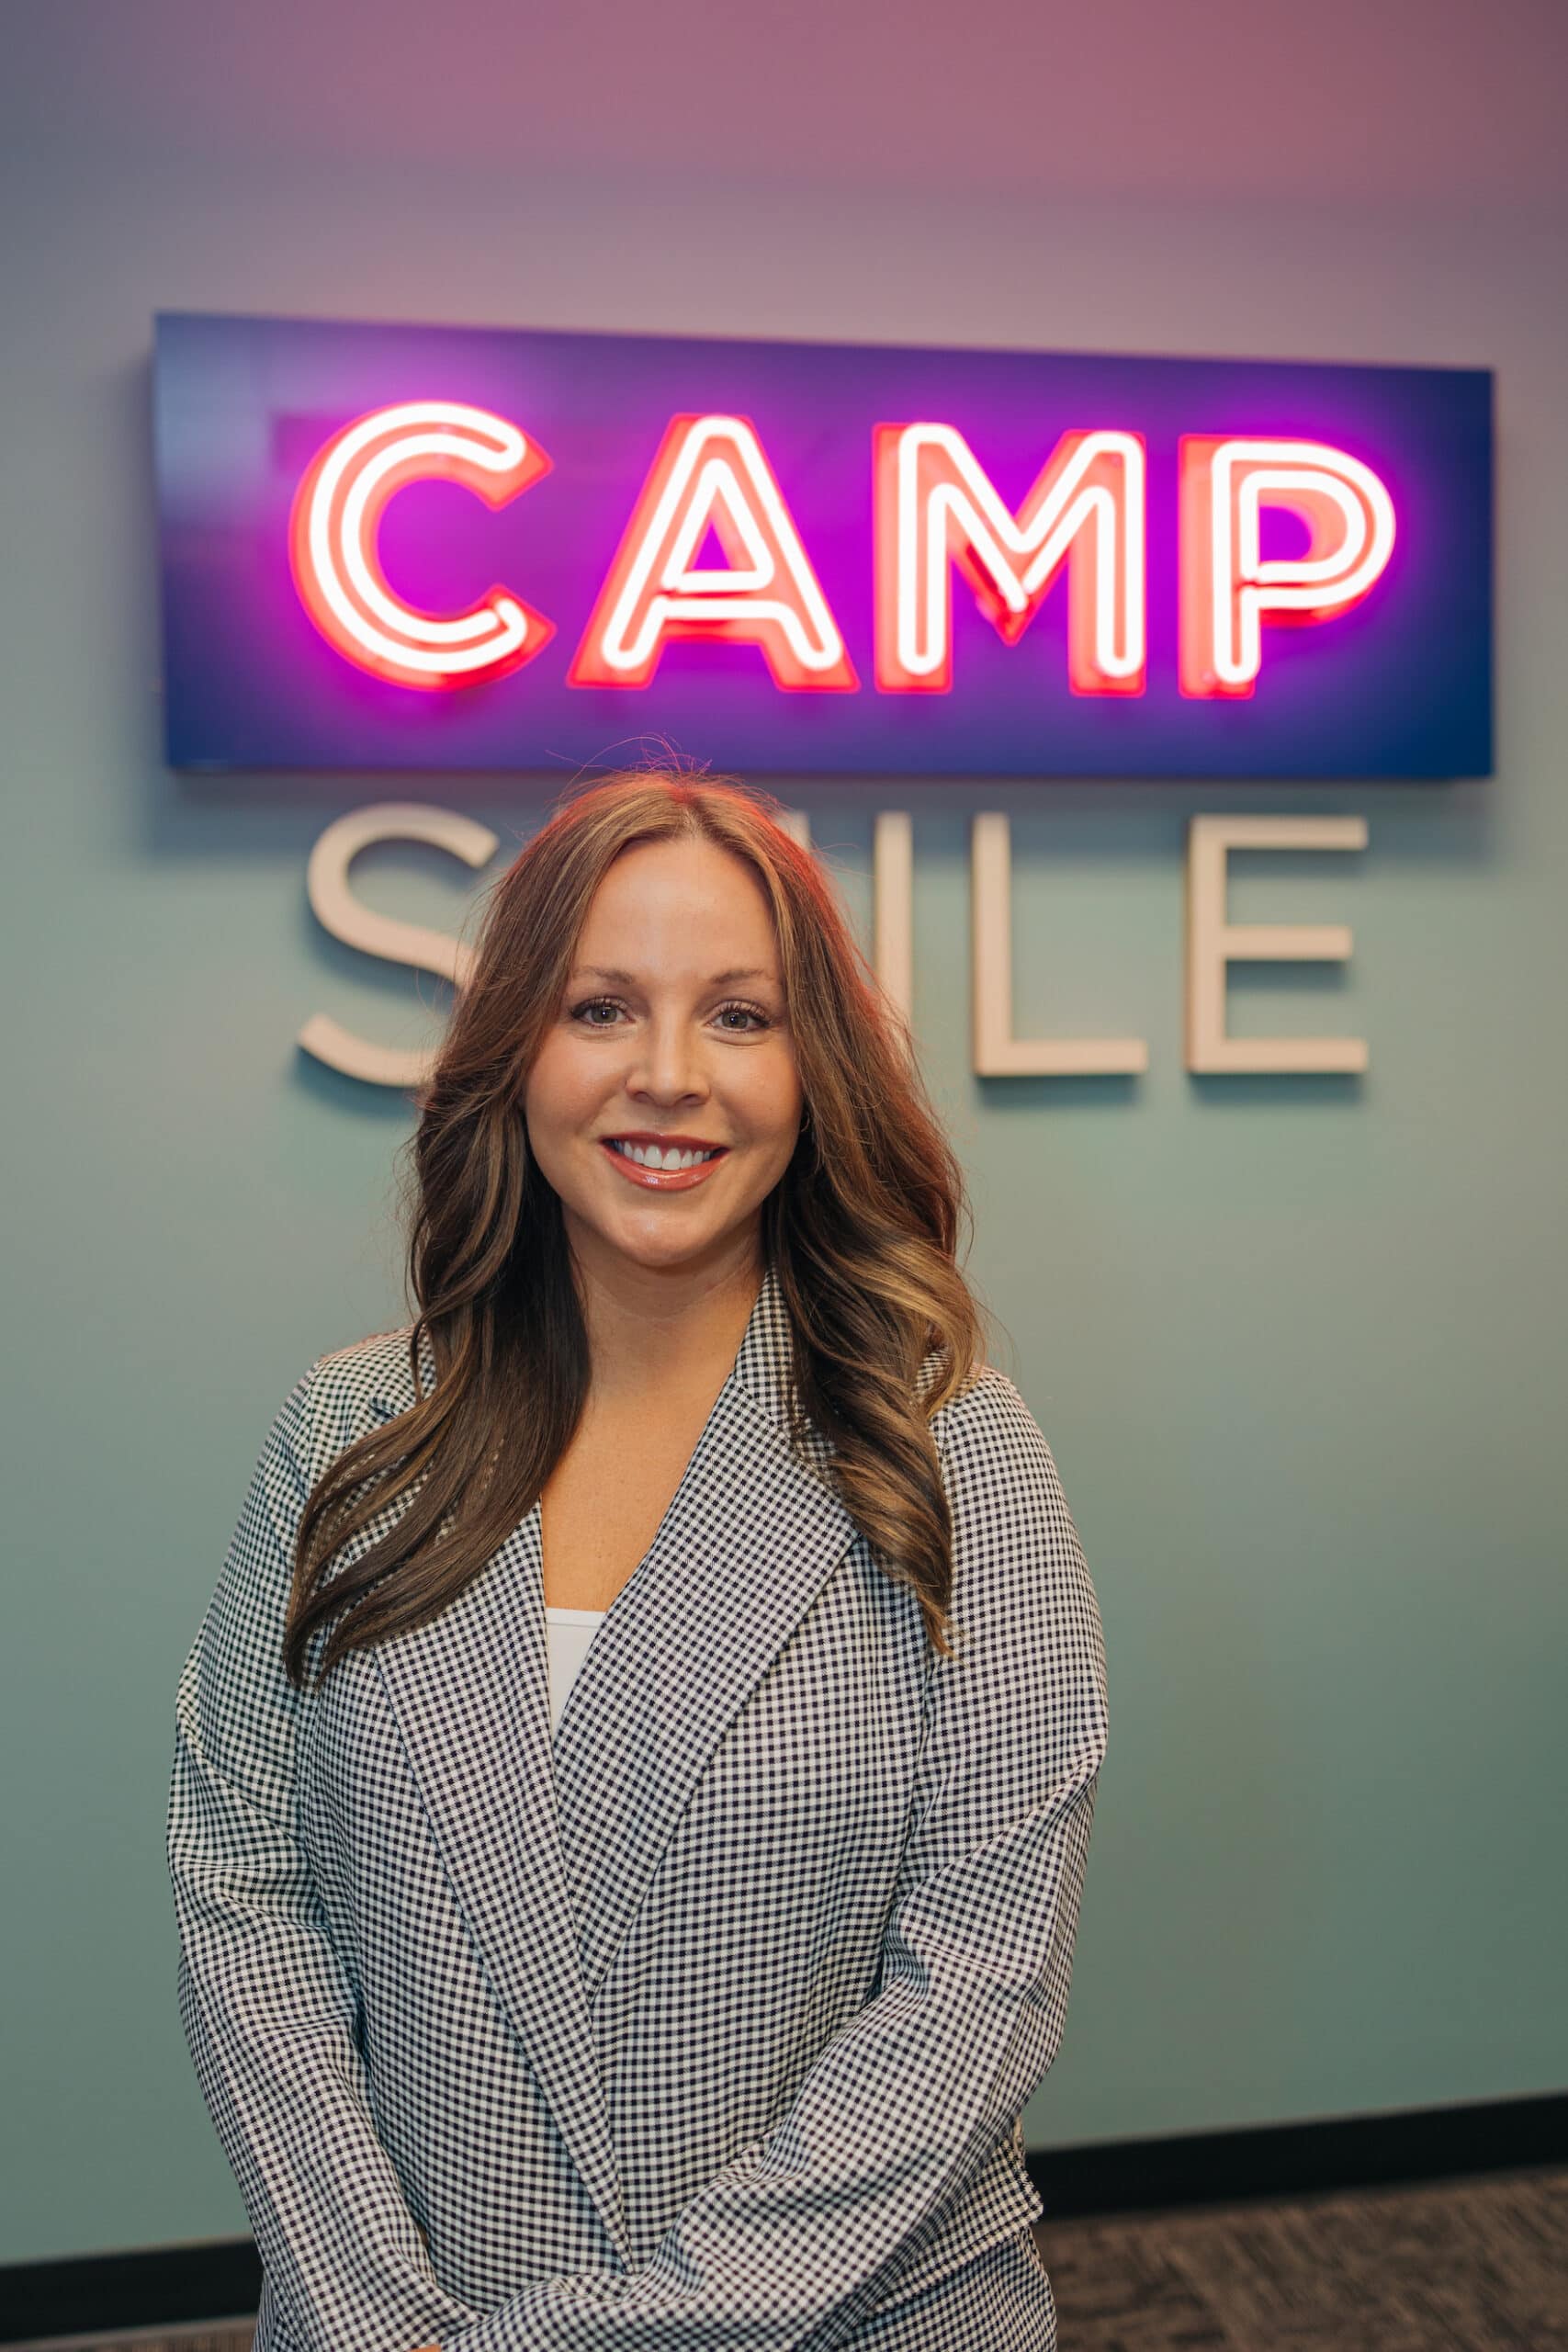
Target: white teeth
x=649, y=1155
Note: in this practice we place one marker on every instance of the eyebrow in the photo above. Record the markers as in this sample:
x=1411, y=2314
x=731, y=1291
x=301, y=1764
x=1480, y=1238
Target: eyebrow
x=713, y=980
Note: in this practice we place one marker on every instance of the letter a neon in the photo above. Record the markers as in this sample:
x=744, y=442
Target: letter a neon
x=710, y=473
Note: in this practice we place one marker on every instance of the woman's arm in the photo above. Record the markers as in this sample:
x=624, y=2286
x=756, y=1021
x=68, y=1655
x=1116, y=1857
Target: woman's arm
x=268, y=2008
x=806, y=2230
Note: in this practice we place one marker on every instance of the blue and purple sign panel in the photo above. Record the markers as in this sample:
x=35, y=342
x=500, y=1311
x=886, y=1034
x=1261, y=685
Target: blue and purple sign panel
x=395, y=546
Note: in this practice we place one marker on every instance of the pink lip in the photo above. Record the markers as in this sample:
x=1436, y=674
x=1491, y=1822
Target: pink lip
x=663, y=1180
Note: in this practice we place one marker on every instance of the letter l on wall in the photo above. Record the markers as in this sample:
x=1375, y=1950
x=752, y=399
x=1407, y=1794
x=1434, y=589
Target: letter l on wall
x=997, y=1053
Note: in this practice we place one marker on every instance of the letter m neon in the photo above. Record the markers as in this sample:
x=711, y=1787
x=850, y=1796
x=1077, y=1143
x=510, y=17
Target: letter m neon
x=936, y=507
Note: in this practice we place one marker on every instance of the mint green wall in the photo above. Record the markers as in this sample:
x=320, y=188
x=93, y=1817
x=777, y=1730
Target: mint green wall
x=1298, y=1343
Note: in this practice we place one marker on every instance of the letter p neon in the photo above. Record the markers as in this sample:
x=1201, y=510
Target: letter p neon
x=1228, y=590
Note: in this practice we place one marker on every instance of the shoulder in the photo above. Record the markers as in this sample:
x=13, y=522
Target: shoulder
x=376, y=1366
x=1010, y=1520
x=349, y=1390
x=988, y=1425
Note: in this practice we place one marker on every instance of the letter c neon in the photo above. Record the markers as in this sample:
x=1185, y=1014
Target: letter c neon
x=332, y=544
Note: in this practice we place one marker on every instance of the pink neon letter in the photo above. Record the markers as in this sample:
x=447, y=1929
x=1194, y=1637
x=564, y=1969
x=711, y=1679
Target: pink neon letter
x=1227, y=591
x=332, y=532
x=710, y=473
x=936, y=507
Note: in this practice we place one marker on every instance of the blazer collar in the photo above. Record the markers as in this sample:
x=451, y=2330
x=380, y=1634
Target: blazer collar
x=550, y=1845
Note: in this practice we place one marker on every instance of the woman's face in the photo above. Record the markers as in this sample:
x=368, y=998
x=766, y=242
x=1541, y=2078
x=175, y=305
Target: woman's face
x=671, y=1040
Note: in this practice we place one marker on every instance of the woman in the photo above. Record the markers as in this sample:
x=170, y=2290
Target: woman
x=634, y=1777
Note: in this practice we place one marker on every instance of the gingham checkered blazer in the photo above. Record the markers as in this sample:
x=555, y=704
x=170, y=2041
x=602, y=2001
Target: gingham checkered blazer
x=705, y=2022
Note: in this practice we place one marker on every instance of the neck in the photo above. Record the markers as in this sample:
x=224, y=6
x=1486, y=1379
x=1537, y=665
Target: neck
x=672, y=1325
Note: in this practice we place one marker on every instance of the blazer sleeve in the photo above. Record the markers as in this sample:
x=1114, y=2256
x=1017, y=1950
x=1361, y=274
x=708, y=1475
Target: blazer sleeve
x=797, y=2237
x=268, y=2010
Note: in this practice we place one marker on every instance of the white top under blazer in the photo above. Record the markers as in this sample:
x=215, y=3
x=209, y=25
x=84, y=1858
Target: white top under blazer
x=700, y=2012
x=571, y=1633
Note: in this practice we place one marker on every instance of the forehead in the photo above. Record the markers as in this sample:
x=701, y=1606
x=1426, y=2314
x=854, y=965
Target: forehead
x=685, y=906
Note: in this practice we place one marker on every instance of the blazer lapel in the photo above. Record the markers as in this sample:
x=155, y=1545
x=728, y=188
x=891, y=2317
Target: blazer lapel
x=471, y=1697
x=748, y=1539
x=550, y=1846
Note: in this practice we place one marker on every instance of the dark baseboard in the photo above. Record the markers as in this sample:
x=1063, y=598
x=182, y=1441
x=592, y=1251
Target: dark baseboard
x=1300, y=2159
x=108, y=2294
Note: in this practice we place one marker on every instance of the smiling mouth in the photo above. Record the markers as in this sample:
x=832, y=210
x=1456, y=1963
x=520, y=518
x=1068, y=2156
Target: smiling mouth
x=672, y=1167
x=668, y=1157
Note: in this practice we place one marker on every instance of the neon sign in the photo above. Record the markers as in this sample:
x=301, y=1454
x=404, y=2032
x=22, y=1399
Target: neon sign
x=831, y=558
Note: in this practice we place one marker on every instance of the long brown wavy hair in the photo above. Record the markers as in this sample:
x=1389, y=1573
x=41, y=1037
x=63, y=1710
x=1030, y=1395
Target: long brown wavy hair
x=862, y=1230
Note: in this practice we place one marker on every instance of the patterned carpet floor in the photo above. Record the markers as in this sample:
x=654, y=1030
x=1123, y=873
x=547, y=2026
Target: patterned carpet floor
x=1478, y=2265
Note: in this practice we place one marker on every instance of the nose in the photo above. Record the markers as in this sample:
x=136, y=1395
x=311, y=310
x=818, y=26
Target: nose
x=668, y=1066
